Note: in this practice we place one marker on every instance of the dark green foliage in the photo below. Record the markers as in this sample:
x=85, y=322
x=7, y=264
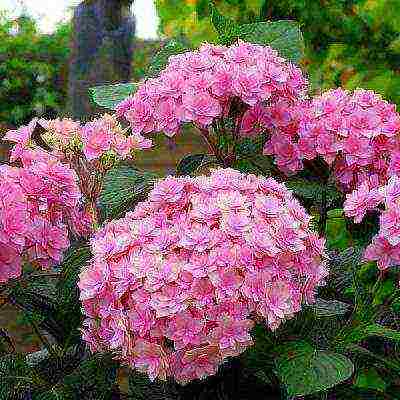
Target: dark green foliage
x=329, y=308
x=370, y=379
x=17, y=378
x=349, y=43
x=141, y=388
x=189, y=164
x=68, y=307
x=363, y=232
x=71, y=377
x=284, y=36
x=144, y=52
x=248, y=147
x=39, y=308
x=304, y=370
x=123, y=187
x=195, y=163
x=312, y=191
x=32, y=70
x=160, y=60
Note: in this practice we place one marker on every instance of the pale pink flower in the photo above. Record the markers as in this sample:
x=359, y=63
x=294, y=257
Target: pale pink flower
x=200, y=108
x=141, y=117
x=192, y=268
x=360, y=201
x=151, y=359
x=197, y=363
x=231, y=336
x=185, y=329
x=96, y=139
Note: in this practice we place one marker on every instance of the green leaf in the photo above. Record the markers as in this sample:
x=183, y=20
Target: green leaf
x=123, y=187
x=284, y=36
x=336, y=230
x=68, y=304
x=257, y=164
x=189, y=164
x=249, y=147
x=329, y=308
x=369, y=379
x=39, y=308
x=383, y=332
x=16, y=378
x=361, y=352
x=306, y=189
x=141, y=388
x=304, y=370
x=93, y=379
x=384, y=291
x=226, y=28
x=160, y=60
x=342, y=267
x=357, y=334
x=194, y=163
x=109, y=96
x=71, y=377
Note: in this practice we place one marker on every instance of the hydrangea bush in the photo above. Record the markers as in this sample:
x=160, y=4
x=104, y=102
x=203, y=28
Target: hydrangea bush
x=217, y=262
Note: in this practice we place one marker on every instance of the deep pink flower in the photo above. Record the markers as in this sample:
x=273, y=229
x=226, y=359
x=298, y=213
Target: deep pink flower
x=185, y=329
x=254, y=121
x=141, y=117
x=381, y=251
x=10, y=263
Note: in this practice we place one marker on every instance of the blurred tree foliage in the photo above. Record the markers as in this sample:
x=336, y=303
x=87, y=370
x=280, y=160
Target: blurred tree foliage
x=350, y=43
x=143, y=53
x=190, y=18
x=32, y=70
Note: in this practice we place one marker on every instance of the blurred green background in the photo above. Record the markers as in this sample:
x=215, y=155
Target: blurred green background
x=349, y=43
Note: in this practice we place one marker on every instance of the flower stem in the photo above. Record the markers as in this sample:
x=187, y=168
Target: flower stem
x=43, y=339
x=212, y=145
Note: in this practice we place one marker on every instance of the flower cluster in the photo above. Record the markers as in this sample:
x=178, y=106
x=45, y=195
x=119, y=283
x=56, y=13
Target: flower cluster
x=37, y=203
x=96, y=137
x=175, y=287
x=41, y=201
x=355, y=133
x=385, y=246
x=199, y=86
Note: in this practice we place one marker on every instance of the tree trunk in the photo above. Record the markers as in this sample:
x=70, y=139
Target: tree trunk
x=102, y=50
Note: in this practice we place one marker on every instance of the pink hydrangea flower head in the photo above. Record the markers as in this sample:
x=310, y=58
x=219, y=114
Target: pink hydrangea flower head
x=357, y=133
x=190, y=271
x=36, y=202
x=200, y=86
